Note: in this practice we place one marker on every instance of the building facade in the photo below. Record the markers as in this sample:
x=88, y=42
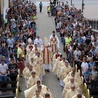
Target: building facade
x=4, y=5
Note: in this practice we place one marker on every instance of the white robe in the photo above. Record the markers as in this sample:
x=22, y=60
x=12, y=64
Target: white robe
x=32, y=81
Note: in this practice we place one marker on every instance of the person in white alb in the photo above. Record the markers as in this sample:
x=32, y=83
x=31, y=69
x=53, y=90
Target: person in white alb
x=51, y=36
x=78, y=96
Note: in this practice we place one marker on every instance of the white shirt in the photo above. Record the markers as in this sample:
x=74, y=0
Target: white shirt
x=3, y=69
x=77, y=54
x=39, y=42
x=84, y=66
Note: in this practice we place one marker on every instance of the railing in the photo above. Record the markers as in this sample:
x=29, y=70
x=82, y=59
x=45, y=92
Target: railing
x=94, y=23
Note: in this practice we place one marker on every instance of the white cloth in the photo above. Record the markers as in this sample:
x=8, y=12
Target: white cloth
x=47, y=66
x=61, y=83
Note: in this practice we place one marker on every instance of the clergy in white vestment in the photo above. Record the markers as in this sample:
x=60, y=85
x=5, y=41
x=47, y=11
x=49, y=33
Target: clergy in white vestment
x=47, y=95
x=29, y=48
x=78, y=96
x=40, y=65
x=68, y=86
x=43, y=92
x=29, y=93
x=27, y=73
x=74, y=75
x=37, y=95
x=35, y=49
x=65, y=70
x=55, y=56
x=32, y=80
x=26, y=68
x=53, y=43
x=56, y=64
x=33, y=62
x=46, y=54
x=38, y=41
x=71, y=92
x=51, y=36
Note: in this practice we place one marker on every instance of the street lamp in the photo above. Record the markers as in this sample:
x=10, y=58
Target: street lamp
x=71, y=2
x=83, y=5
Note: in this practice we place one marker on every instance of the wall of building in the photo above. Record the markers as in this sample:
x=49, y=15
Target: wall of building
x=4, y=5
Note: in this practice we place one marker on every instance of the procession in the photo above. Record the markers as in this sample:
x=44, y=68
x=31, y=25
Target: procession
x=45, y=47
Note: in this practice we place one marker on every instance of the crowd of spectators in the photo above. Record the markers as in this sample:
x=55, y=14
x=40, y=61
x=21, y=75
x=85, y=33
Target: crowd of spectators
x=20, y=25
x=79, y=41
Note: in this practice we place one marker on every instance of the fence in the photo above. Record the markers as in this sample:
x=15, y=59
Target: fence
x=94, y=24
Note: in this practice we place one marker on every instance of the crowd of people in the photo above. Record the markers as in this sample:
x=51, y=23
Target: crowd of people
x=78, y=39
x=20, y=25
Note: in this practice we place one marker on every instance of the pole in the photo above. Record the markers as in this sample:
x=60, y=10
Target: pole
x=82, y=5
x=71, y=2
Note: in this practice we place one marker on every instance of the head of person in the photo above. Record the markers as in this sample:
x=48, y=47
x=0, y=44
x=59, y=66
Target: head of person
x=35, y=45
x=74, y=69
x=30, y=68
x=32, y=60
x=57, y=51
x=77, y=48
x=91, y=60
x=79, y=95
x=30, y=47
x=27, y=64
x=64, y=59
x=90, y=54
x=72, y=74
x=37, y=93
x=84, y=59
x=94, y=68
x=39, y=88
x=60, y=55
x=47, y=95
x=53, y=32
x=38, y=54
x=19, y=45
x=66, y=63
x=38, y=83
x=72, y=80
x=12, y=60
x=2, y=59
x=33, y=74
x=38, y=37
x=10, y=36
x=72, y=87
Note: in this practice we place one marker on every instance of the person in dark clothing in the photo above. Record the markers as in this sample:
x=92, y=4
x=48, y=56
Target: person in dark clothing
x=13, y=71
x=40, y=6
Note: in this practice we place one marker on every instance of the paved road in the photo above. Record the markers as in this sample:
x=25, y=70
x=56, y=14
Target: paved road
x=90, y=8
x=45, y=26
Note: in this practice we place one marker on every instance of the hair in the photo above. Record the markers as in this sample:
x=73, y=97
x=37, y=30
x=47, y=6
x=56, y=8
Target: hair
x=38, y=81
x=47, y=95
x=79, y=96
x=53, y=31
